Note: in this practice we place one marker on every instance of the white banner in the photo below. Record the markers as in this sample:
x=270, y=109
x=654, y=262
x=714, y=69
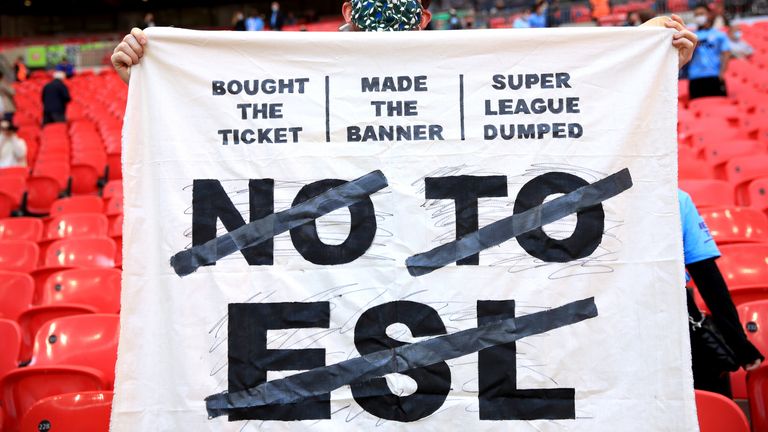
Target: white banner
x=440, y=230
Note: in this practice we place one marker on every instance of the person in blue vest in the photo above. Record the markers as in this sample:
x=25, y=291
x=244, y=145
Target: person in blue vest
x=700, y=253
x=538, y=19
x=710, y=60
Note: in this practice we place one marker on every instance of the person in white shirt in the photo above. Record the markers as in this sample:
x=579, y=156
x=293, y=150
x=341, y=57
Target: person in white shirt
x=13, y=150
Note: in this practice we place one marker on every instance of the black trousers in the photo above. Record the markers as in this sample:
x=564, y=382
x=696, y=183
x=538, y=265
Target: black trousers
x=703, y=87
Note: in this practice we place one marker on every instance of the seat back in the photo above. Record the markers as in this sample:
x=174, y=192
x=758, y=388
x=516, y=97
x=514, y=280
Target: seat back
x=743, y=169
x=736, y=224
x=709, y=193
x=87, y=411
x=18, y=255
x=113, y=188
x=77, y=225
x=42, y=191
x=758, y=194
x=717, y=413
x=79, y=340
x=77, y=204
x=757, y=390
x=16, y=292
x=96, y=287
x=754, y=317
x=11, y=337
x=22, y=228
x=81, y=252
x=744, y=265
x=21, y=389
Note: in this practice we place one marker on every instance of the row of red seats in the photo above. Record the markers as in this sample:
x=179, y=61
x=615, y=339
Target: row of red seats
x=59, y=316
x=71, y=354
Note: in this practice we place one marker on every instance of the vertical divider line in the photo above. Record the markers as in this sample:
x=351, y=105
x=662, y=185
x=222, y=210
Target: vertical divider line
x=327, y=109
x=461, y=104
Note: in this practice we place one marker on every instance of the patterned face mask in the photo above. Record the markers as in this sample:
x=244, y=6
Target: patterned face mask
x=386, y=15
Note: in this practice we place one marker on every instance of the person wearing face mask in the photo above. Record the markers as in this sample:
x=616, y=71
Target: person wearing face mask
x=739, y=48
x=710, y=60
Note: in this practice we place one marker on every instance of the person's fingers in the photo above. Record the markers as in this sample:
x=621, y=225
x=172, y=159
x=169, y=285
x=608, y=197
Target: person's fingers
x=125, y=48
x=678, y=19
x=135, y=45
x=674, y=25
x=139, y=35
x=121, y=60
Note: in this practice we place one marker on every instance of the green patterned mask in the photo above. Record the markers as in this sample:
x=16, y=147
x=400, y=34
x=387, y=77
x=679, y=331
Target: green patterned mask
x=386, y=15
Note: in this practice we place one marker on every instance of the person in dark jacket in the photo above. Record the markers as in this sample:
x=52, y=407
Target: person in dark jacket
x=276, y=19
x=55, y=99
x=700, y=253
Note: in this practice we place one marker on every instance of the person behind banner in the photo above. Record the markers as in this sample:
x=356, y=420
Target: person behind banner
x=710, y=60
x=376, y=16
x=700, y=253
x=13, y=149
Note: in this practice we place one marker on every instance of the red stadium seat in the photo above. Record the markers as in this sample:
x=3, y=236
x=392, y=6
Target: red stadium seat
x=79, y=340
x=86, y=411
x=717, y=154
x=114, y=206
x=98, y=288
x=11, y=337
x=16, y=293
x=736, y=224
x=708, y=193
x=741, y=170
x=18, y=255
x=745, y=269
x=77, y=225
x=758, y=194
x=6, y=205
x=34, y=318
x=14, y=188
x=116, y=227
x=42, y=192
x=77, y=204
x=694, y=169
x=754, y=317
x=81, y=252
x=717, y=413
x=23, y=228
x=113, y=188
x=88, y=252
x=22, y=388
x=757, y=390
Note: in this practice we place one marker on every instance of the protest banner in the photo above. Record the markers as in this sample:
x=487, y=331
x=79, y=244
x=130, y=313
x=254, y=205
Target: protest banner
x=437, y=230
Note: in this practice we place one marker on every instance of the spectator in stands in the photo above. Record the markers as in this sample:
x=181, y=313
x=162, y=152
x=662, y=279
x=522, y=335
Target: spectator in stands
x=700, y=253
x=633, y=19
x=739, y=48
x=20, y=69
x=538, y=19
x=710, y=61
x=149, y=20
x=276, y=19
x=13, y=150
x=254, y=22
x=55, y=99
x=454, y=22
x=522, y=20
x=553, y=13
x=66, y=67
x=414, y=15
x=7, y=106
x=238, y=21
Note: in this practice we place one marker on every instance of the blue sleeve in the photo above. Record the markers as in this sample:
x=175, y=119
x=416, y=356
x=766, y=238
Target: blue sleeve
x=725, y=43
x=698, y=243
